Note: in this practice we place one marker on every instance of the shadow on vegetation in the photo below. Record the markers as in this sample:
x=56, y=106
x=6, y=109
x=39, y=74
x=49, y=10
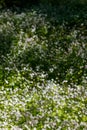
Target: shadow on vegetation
x=60, y=50
x=5, y=44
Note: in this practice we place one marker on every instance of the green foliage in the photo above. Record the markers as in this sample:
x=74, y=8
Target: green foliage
x=43, y=68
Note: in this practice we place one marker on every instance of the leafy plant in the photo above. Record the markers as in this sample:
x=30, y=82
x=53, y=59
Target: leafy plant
x=43, y=68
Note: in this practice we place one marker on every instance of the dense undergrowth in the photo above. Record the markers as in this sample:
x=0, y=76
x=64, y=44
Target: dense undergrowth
x=43, y=68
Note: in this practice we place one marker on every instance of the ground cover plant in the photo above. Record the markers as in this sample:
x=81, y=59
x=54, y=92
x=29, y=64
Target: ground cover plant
x=43, y=68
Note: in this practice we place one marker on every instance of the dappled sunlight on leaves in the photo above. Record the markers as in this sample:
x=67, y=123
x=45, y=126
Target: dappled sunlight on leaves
x=43, y=69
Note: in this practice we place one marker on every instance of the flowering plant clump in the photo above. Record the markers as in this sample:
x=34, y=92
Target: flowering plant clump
x=43, y=69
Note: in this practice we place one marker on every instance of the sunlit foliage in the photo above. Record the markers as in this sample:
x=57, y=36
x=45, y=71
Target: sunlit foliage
x=43, y=68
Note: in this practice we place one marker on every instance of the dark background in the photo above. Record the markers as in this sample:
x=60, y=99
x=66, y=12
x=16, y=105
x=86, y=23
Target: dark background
x=26, y=3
